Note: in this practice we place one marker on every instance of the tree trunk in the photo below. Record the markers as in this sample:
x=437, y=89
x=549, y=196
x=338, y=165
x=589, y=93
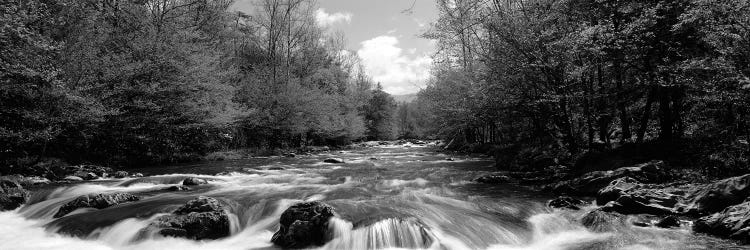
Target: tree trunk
x=665, y=115
x=643, y=126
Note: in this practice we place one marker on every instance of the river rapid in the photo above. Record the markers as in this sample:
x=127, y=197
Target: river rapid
x=386, y=197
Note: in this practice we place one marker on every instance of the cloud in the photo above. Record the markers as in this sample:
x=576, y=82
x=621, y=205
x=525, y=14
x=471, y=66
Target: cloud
x=327, y=19
x=399, y=73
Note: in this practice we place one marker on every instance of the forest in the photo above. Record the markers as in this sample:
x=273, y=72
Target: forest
x=581, y=80
x=151, y=81
x=132, y=82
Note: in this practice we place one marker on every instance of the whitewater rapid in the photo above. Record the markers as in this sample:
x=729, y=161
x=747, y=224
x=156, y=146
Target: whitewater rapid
x=385, y=198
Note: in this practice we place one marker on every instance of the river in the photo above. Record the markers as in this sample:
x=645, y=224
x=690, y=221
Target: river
x=387, y=197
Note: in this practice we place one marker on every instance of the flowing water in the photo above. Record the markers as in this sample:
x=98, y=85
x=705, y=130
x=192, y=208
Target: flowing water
x=388, y=197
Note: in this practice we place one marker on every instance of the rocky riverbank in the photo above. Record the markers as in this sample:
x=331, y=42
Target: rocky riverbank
x=649, y=191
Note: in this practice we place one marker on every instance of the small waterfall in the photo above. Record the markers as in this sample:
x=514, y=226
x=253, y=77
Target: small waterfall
x=388, y=233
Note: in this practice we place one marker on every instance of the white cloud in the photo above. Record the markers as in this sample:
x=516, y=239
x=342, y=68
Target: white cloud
x=399, y=73
x=327, y=19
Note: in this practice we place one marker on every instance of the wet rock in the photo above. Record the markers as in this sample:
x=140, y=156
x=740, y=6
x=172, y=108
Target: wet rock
x=731, y=223
x=450, y=159
x=333, y=160
x=137, y=175
x=120, y=174
x=192, y=181
x=648, y=201
x=73, y=178
x=668, y=222
x=714, y=197
x=200, y=218
x=12, y=195
x=27, y=181
x=566, y=202
x=601, y=221
x=493, y=179
x=303, y=225
x=641, y=222
x=373, y=159
x=592, y=182
x=85, y=175
x=290, y=155
x=98, y=201
x=615, y=189
x=178, y=188
x=276, y=168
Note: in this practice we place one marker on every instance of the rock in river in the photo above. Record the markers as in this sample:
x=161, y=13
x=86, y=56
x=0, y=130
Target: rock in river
x=12, y=195
x=333, y=160
x=97, y=201
x=192, y=181
x=303, y=225
x=733, y=222
x=200, y=218
x=566, y=202
x=591, y=183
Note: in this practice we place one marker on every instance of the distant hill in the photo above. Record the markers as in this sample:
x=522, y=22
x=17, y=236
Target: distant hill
x=405, y=98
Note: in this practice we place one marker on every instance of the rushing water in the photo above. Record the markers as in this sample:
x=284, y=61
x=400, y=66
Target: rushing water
x=389, y=197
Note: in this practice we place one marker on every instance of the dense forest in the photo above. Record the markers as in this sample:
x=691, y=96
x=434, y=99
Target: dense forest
x=562, y=79
x=154, y=81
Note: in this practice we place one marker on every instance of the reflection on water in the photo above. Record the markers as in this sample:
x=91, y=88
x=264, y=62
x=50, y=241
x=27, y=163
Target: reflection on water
x=385, y=198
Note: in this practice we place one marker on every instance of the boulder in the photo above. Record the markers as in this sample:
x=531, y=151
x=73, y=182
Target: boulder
x=565, y=202
x=304, y=225
x=98, y=201
x=200, y=218
x=290, y=155
x=121, y=174
x=493, y=179
x=601, y=221
x=73, y=178
x=12, y=195
x=85, y=175
x=668, y=222
x=192, y=181
x=27, y=181
x=731, y=223
x=615, y=189
x=590, y=183
x=276, y=168
x=333, y=160
x=714, y=197
x=178, y=188
x=137, y=175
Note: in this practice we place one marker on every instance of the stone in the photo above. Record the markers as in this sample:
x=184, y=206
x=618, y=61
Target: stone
x=199, y=219
x=333, y=160
x=493, y=179
x=304, y=225
x=192, y=181
x=590, y=183
x=137, y=175
x=178, y=188
x=276, y=168
x=615, y=189
x=732, y=222
x=73, y=178
x=121, y=174
x=12, y=195
x=98, y=201
x=566, y=202
x=601, y=221
x=668, y=222
x=85, y=175
x=714, y=197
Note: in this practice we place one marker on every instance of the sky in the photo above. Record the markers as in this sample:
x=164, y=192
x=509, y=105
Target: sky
x=385, y=35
